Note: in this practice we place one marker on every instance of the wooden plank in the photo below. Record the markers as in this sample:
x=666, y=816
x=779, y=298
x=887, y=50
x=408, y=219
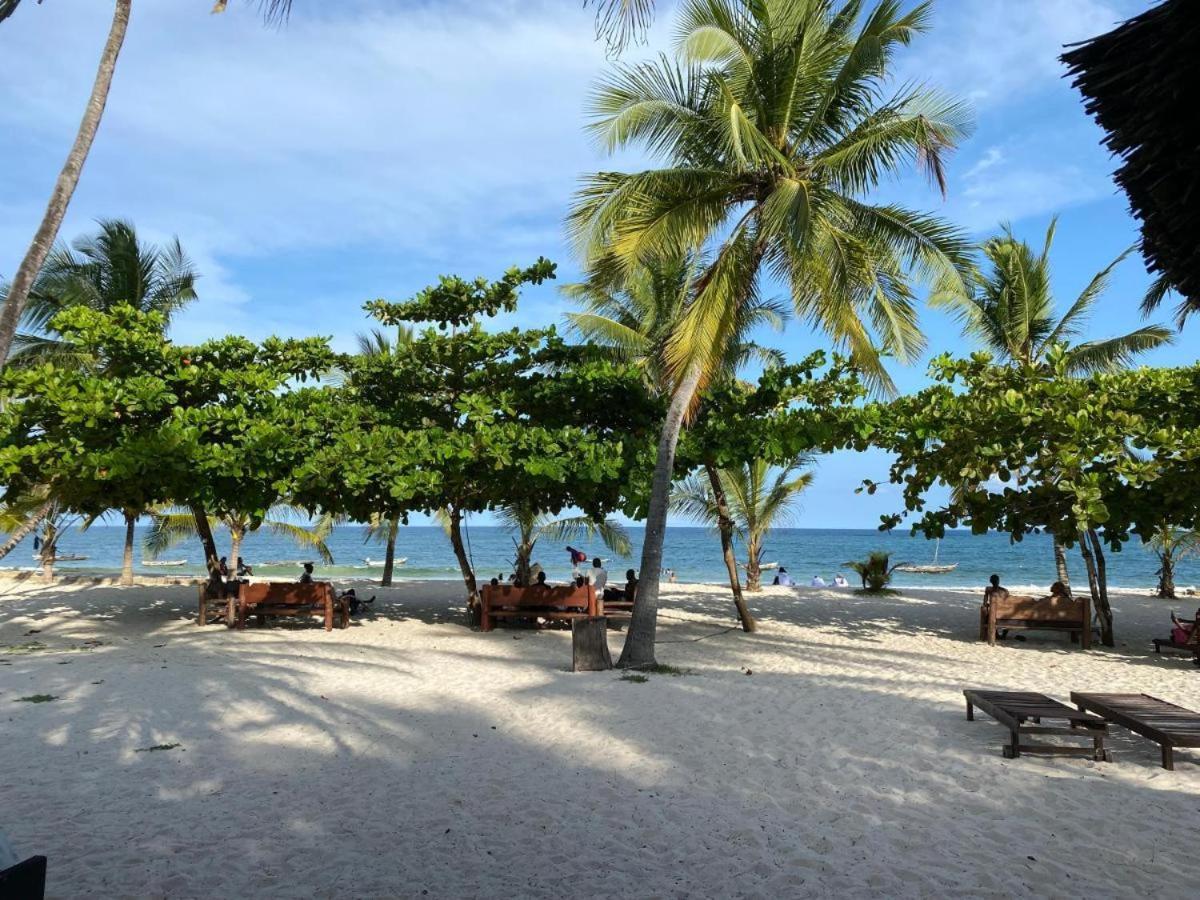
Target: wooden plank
x=1143, y=714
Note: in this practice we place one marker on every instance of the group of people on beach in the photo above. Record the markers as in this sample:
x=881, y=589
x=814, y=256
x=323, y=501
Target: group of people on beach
x=596, y=575
x=783, y=579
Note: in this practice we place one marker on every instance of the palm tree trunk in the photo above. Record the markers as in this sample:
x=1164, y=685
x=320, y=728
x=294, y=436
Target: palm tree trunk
x=236, y=535
x=389, y=557
x=638, y=651
x=753, y=567
x=725, y=526
x=1166, y=576
x=27, y=528
x=464, y=563
x=212, y=562
x=64, y=187
x=1060, y=564
x=127, y=558
x=1103, y=607
x=49, y=551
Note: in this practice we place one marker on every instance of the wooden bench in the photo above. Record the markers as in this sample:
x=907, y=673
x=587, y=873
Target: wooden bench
x=504, y=601
x=1028, y=613
x=1166, y=724
x=217, y=608
x=1013, y=709
x=285, y=598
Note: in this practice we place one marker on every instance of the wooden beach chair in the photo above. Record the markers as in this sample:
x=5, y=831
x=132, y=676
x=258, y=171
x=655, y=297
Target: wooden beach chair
x=1166, y=724
x=278, y=598
x=1015, y=612
x=1022, y=712
x=504, y=601
x=1191, y=645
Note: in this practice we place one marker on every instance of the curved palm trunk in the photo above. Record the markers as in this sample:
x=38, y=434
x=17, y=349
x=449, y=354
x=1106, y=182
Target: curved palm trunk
x=127, y=558
x=389, y=558
x=638, y=651
x=1060, y=564
x=64, y=187
x=28, y=527
x=753, y=566
x=49, y=551
x=237, y=534
x=725, y=527
x=464, y=564
x=212, y=562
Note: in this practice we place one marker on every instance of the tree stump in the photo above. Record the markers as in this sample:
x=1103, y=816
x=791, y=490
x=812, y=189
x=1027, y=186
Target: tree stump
x=589, y=644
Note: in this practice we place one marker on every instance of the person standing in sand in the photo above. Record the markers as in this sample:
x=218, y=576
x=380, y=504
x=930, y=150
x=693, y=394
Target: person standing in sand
x=598, y=576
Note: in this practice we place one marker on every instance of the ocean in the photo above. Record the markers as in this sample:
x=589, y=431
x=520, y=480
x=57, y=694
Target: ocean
x=693, y=553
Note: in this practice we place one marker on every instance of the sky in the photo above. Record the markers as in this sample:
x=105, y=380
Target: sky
x=367, y=147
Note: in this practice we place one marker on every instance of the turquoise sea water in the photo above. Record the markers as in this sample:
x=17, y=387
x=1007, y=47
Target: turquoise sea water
x=694, y=554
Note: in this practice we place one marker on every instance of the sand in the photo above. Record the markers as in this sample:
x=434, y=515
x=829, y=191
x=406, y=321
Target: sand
x=409, y=756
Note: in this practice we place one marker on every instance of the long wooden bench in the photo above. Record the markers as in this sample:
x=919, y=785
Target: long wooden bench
x=283, y=598
x=504, y=601
x=216, y=609
x=1166, y=724
x=1028, y=613
x=1013, y=709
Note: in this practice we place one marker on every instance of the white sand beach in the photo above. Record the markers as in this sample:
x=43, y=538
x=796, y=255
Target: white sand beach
x=826, y=755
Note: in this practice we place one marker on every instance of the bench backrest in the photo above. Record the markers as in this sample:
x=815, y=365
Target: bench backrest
x=287, y=592
x=1030, y=609
x=567, y=596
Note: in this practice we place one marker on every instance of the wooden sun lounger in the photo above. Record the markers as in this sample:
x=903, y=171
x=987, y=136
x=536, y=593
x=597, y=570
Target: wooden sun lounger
x=1166, y=724
x=1013, y=709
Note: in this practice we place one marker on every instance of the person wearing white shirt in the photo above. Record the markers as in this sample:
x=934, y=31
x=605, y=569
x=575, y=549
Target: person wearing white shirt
x=839, y=581
x=818, y=581
x=598, y=576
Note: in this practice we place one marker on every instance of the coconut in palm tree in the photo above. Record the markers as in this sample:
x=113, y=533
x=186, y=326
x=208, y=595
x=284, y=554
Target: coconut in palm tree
x=772, y=125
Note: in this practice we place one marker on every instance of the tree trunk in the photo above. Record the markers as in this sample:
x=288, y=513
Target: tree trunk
x=127, y=558
x=27, y=528
x=638, y=651
x=64, y=187
x=725, y=526
x=1103, y=608
x=389, y=556
x=1166, y=576
x=1060, y=564
x=464, y=564
x=49, y=551
x=212, y=562
x=236, y=536
x=753, y=567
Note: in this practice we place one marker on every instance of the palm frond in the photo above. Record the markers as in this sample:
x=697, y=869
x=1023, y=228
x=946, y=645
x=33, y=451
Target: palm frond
x=168, y=529
x=301, y=536
x=1117, y=353
x=619, y=22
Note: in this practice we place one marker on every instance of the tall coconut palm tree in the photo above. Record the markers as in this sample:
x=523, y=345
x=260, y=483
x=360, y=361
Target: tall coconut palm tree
x=773, y=124
x=529, y=526
x=1171, y=545
x=100, y=271
x=637, y=321
x=1009, y=307
x=759, y=500
x=68, y=178
x=170, y=526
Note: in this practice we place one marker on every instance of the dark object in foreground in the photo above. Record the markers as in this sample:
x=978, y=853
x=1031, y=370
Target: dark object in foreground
x=1013, y=709
x=589, y=645
x=1139, y=81
x=1166, y=724
x=24, y=881
x=287, y=598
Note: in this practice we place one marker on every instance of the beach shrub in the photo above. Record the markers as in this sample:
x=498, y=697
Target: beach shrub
x=875, y=572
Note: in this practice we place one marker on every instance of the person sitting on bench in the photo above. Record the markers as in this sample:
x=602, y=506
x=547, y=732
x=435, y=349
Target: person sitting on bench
x=625, y=594
x=306, y=577
x=1058, y=589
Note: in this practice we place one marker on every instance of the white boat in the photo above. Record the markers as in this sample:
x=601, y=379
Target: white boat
x=932, y=569
x=163, y=562
x=398, y=561
x=64, y=557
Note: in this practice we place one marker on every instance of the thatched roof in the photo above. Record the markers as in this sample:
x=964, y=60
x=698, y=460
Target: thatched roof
x=1141, y=82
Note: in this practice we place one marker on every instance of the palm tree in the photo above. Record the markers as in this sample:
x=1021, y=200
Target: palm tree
x=772, y=125
x=170, y=526
x=101, y=271
x=531, y=526
x=1171, y=545
x=68, y=178
x=620, y=21
x=636, y=322
x=759, y=500
x=1009, y=307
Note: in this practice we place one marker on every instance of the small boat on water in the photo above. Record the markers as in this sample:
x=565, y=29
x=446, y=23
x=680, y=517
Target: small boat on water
x=64, y=557
x=399, y=561
x=932, y=569
x=163, y=563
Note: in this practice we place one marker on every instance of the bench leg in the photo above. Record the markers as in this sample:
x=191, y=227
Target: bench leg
x=970, y=712
x=1168, y=758
x=1013, y=750
x=203, y=617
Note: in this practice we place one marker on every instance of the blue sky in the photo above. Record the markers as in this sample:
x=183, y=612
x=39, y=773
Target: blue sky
x=370, y=146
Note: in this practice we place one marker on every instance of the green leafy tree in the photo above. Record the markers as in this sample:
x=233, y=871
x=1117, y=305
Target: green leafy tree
x=773, y=124
x=760, y=498
x=1009, y=307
